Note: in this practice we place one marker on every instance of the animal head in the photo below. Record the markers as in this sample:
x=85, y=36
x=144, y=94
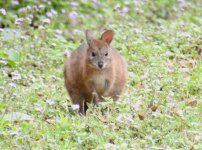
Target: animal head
x=99, y=51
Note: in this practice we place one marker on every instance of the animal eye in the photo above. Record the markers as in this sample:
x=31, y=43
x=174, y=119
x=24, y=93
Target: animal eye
x=93, y=54
x=106, y=54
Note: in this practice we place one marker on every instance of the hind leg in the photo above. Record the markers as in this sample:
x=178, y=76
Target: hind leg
x=115, y=94
x=95, y=98
x=78, y=99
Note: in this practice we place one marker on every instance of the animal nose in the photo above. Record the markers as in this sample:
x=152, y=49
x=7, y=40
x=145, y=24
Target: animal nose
x=100, y=64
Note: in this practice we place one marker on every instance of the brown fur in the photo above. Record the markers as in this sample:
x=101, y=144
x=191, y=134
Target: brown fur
x=85, y=81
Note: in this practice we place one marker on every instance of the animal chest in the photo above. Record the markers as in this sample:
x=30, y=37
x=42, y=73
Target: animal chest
x=99, y=81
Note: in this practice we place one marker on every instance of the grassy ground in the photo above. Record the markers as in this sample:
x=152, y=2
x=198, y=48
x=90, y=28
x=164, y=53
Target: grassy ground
x=161, y=107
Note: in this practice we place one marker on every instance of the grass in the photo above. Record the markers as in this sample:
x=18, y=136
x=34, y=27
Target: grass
x=161, y=107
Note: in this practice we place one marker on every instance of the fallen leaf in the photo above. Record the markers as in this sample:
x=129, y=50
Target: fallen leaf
x=190, y=63
x=192, y=102
x=141, y=116
x=152, y=106
x=198, y=54
x=40, y=94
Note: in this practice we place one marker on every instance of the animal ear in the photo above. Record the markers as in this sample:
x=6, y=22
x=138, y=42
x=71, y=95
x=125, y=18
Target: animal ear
x=89, y=37
x=107, y=36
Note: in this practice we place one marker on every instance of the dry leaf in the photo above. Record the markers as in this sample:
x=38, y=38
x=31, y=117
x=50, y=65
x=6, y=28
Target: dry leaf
x=152, y=106
x=40, y=94
x=192, y=102
x=141, y=116
x=187, y=63
x=198, y=54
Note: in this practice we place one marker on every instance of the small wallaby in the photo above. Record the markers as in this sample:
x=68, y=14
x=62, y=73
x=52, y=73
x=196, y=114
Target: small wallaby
x=95, y=70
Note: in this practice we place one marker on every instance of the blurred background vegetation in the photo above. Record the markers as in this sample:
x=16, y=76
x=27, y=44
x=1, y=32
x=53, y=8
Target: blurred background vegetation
x=29, y=15
x=62, y=14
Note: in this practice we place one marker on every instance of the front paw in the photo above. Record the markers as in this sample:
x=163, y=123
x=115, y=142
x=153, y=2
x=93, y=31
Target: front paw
x=95, y=99
x=105, y=94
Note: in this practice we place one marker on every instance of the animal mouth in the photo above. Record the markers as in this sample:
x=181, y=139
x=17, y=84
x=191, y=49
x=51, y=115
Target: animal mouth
x=95, y=66
x=100, y=64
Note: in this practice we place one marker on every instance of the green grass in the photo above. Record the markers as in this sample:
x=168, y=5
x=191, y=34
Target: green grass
x=161, y=107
